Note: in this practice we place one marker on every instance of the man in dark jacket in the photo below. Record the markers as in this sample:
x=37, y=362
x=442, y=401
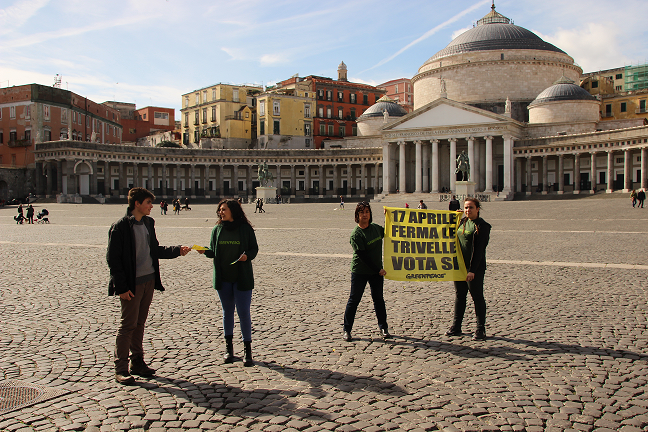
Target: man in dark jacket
x=133, y=254
x=641, y=196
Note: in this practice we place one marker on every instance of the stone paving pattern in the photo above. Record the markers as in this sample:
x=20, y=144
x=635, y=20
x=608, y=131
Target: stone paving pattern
x=567, y=347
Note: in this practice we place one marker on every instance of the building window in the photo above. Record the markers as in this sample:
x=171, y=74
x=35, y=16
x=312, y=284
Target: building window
x=322, y=129
x=186, y=101
x=329, y=95
x=12, y=112
x=307, y=129
x=340, y=96
x=213, y=94
x=342, y=130
x=275, y=129
x=340, y=113
x=321, y=112
x=47, y=134
x=196, y=118
x=331, y=130
x=186, y=119
x=275, y=108
x=608, y=110
x=64, y=115
x=594, y=84
x=13, y=136
x=2, y=137
x=27, y=112
x=396, y=88
x=204, y=96
x=213, y=117
x=262, y=128
x=642, y=106
x=307, y=110
x=204, y=115
x=501, y=58
x=618, y=88
x=46, y=112
x=365, y=99
x=619, y=76
x=235, y=95
x=354, y=131
x=262, y=108
x=28, y=135
x=320, y=94
x=197, y=98
x=353, y=98
x=328, y=112
x=353, y=114
x=161, y=115
x=624, y=107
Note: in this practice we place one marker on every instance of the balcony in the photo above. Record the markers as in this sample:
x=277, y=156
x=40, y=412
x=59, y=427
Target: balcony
x=640, y=111
x=19, y=143
x=606, y=114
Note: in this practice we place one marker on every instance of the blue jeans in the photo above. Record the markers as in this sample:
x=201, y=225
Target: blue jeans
x=231, y=298
x=358, y=284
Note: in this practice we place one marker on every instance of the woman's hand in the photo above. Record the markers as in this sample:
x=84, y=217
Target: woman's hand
x=382, y=272
x=470, y=276
x=243, y=257
x=200, y=251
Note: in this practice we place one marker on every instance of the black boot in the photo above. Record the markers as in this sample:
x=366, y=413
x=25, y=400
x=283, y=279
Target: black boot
x=248, y=354
x=139, y=367
x=229, y=356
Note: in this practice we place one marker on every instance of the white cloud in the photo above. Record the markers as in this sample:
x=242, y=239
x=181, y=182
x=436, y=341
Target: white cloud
x=15, y=16
x=460, y=31
x=273, y=59
x=364, y=81
x=594, y=46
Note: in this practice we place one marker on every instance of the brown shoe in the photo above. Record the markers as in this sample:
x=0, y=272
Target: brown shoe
x=124, y=378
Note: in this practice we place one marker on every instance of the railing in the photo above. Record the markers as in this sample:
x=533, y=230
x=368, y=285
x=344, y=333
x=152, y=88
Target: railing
x=19, y=143
x=640, y=111
x=606, y=114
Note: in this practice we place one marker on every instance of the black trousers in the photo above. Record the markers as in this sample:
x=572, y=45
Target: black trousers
x=358, y=284
x=476, y=289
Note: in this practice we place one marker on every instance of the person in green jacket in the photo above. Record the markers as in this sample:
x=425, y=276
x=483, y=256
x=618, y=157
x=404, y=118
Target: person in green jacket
x=233, y=247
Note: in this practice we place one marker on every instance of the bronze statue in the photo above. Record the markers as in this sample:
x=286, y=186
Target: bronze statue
x=463, y=166
x=264, y=174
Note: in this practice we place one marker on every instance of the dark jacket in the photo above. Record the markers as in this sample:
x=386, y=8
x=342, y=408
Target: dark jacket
x=121, y=254
x=479, y=242
x=248, y=245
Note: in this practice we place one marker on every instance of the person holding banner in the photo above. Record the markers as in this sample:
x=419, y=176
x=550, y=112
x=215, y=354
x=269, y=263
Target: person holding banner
x=366, y=267
x=473, y=233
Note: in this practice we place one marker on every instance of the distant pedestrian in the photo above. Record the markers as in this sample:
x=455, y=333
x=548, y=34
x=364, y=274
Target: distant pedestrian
x=166, y=206
x=162, y=207
x=473, y=234
x=342, y=202
x=633, y=197
x=30, y=214
x=422, y=205
x=186, y=202
x=641, y=196
x=454, y=204
x=261, y=206
x=133, y=258
x=366, y=267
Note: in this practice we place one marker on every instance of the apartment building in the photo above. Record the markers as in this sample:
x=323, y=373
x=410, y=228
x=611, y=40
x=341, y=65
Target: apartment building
x=285, y=118
x=400, y=91
x=139, y=123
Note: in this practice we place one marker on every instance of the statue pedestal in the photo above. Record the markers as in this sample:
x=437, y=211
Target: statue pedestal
x=265, y=192
x=464, y=189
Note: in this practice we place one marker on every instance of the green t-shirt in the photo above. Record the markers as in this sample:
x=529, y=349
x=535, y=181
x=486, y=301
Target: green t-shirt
x=370, y=240
x=466, y=240
x=229, y=246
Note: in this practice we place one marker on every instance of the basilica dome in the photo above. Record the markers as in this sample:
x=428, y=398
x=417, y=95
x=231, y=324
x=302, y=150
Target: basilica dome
x=374, y=118
x=491, y=62
x=564, y=101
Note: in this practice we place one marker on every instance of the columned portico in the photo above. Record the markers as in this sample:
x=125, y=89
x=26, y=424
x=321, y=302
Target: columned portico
x=418, y=167
x=402, y=179
x=576, y=173
x=434, y=167
x=453, y=164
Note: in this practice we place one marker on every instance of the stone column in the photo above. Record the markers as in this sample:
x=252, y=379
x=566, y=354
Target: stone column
x=627, y=171
x=518, y=174
x=593, y=179
x=48, y=187
x=322, y=180
x=122, y=180
x=39, y=178
x=610, y=172
x=218, y=177
x=489, y=164
x=206, y=191
x=434, y=166
x=529, y=176
x=235, y=179
x=426, y=167
x=508, y=164
x=151, y=183
x=644, y=168
x=545, y=175
x=59, y=177
x=402, y=179
x=367, y=178
x=561, y=174
x=386, y=171
x=576, y=173
x=307, y=179
x=164, y=180
x=192, y=186
x=107, y=179
x=136, y=174
x=471, y=159
x=453, y=164
x=349, y=187
x=475, y=165
x=279, y=179
x=293, y=180
x=418, y=188
x=94, y=178
x=377, y=178
x=178, y=189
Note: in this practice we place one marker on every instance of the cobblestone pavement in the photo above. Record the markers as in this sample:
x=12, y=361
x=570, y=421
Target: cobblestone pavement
x=567, y=350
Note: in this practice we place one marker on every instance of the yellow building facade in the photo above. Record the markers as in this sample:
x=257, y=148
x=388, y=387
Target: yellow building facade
x=222, y=115
x=285, y=118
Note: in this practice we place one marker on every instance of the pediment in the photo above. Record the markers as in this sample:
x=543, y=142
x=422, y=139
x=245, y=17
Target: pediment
x=446, y=113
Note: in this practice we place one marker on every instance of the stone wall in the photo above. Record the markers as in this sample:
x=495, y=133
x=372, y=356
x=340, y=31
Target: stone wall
x=565, y=111
x=16, y=182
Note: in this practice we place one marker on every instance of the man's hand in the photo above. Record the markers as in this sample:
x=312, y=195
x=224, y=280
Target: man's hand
x=127, y=295
x=184, y=250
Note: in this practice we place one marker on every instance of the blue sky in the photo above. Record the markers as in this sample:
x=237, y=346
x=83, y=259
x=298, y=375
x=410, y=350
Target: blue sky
x=150, y=52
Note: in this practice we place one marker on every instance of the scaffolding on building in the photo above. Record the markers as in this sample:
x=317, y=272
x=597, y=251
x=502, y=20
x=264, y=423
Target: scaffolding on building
x=636, y=77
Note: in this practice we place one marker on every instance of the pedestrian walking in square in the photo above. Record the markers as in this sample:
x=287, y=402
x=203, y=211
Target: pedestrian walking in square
x=133, y=258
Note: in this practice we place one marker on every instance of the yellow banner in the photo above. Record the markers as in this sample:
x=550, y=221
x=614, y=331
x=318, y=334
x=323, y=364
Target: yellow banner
x=422, y=245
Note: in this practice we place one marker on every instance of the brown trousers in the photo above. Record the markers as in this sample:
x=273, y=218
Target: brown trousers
x=130, y=335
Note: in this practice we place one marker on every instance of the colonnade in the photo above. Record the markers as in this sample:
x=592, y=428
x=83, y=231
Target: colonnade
x=428, y=165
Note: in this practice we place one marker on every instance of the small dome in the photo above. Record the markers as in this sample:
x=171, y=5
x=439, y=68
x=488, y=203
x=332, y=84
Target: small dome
x=563, y=90
x=382, y=104
x=342, y=66
x=494, y=32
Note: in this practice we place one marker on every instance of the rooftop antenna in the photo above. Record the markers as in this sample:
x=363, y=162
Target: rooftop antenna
x=57, y=81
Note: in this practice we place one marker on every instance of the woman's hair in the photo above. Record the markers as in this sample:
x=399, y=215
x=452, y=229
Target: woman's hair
x=237, y=211
x=477, y=206
x=361, y=206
